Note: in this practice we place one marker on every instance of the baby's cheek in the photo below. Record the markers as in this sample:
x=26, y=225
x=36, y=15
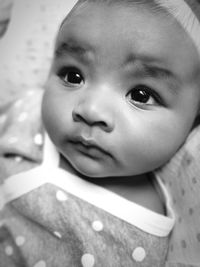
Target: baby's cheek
x=163, y=148
x=152, y=150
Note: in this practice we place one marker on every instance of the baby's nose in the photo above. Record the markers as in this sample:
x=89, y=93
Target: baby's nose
x=94, y=110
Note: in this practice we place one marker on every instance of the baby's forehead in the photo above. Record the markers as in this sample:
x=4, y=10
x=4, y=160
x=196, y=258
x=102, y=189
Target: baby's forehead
x=83, y=31
x=186, y=12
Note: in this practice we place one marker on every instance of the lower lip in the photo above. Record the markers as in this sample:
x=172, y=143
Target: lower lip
x=90, y=151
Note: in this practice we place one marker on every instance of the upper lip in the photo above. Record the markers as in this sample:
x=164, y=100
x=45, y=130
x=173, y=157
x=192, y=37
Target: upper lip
x=88, y=142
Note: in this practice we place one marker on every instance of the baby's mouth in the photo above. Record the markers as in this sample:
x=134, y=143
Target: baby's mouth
x=89, y=147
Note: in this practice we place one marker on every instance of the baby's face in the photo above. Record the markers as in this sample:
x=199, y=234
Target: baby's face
x=122, y=95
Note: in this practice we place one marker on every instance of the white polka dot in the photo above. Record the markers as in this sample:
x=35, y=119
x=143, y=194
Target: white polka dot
x=20, y=240
x=18, y=159
x=87, y=260
x=38, y=139
x=40, y=264
x=97, y=226
x=139, y=254
x=58, y=234
x=3, y=118
x=22, y=117
x=9, y=250
x=30, y=93
x=18, y=103
x=61, y=196
x=13, y=140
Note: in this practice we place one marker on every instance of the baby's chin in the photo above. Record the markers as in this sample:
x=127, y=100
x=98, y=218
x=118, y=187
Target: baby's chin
x=89, y=173
x=78, y=169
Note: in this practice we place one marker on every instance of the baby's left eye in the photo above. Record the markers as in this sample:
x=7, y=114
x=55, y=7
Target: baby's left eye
x=71, y=76
x=142, y=95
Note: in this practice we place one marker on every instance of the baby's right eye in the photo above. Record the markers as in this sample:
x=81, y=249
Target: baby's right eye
x=71, y=76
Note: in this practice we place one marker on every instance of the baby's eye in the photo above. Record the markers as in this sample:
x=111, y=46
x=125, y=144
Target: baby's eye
x=143, y=95
x=71, y=76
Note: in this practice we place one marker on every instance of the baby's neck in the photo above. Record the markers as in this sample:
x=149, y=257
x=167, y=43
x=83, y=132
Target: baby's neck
x=138, y=189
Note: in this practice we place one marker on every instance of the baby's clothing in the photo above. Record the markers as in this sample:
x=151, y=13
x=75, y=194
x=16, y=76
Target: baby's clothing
x=53, y=218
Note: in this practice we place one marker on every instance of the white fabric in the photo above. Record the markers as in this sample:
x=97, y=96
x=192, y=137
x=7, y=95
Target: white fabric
x=185, y=16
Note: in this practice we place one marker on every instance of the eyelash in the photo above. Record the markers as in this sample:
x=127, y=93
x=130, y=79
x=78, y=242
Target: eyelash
x=64, y=72
x=147, y=92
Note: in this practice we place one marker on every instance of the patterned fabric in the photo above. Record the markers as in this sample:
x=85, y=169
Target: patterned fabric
x=21, y=134
x=27, y=46
x=182, y=179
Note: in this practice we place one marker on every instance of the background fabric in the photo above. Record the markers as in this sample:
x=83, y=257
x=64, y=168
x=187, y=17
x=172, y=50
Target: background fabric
x=26, y=47
x=182, y=179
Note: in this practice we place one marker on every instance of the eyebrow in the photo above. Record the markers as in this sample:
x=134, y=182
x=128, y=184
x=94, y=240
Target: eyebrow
x=163, y=74
x=146, y=67
x=80, y=51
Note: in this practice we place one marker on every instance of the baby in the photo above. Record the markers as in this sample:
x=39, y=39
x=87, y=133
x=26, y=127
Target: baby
x=121, y=97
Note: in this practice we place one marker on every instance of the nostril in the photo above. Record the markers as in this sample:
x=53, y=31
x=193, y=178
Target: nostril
x=93, y=118
x=77, y=117
x=102, y=124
